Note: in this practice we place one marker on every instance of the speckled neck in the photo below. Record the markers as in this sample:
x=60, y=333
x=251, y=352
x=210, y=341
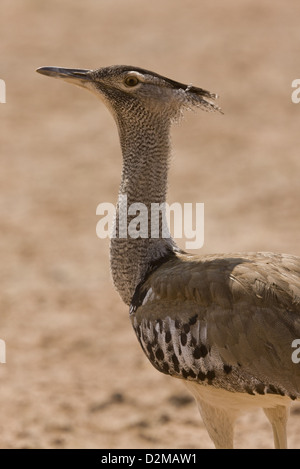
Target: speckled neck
x=145, y=147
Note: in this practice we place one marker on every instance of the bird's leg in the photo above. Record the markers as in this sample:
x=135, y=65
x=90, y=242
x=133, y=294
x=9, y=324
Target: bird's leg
x=219, y=424
x=278, y=417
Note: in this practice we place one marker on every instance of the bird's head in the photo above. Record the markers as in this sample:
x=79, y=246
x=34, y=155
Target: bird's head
x=126, y=89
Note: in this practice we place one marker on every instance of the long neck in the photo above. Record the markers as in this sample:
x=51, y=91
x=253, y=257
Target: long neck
x=146, y=149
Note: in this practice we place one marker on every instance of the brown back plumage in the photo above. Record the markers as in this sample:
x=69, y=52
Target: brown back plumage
x=233, y=319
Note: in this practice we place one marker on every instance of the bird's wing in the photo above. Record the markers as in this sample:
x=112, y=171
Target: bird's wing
x=225, y=321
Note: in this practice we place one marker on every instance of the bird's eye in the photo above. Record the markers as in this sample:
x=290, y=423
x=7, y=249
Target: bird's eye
x=131, y=81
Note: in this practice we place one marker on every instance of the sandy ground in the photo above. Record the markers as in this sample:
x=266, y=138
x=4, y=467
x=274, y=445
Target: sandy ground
x=75, y=376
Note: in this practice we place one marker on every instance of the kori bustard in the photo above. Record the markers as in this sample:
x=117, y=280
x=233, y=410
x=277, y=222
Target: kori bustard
x=224, y=324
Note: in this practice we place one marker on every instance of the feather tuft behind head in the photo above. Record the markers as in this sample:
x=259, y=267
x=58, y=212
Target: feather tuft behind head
x=200, y=98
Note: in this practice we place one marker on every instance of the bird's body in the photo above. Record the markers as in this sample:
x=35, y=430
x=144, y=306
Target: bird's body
x=224, y=324
x=220, y=320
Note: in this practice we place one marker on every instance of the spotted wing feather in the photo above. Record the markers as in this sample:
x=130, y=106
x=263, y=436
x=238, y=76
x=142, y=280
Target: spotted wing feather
x=227, y=322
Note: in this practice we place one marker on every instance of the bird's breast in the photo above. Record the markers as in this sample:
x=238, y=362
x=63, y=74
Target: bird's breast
x=180, y=348
x=174, y=348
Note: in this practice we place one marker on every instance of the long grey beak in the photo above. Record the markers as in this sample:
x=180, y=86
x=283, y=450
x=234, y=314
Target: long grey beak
x=76, y=76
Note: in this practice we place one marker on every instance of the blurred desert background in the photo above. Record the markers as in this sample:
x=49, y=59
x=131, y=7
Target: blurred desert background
x=75, y=375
